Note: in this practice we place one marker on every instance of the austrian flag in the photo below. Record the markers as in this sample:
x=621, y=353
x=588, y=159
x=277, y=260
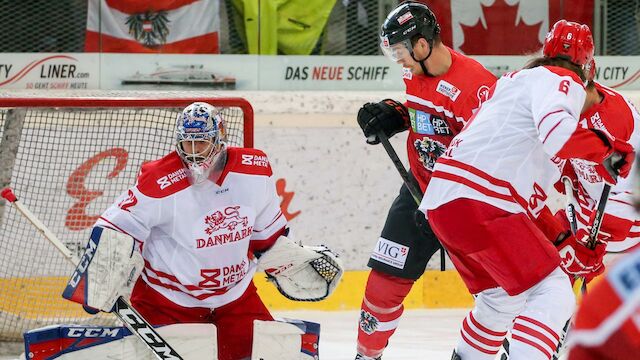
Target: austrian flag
x=159, y=26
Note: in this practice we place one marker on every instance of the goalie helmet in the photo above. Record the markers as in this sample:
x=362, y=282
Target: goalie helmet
x=200, y=137
x=571, y=41
x=408, y=20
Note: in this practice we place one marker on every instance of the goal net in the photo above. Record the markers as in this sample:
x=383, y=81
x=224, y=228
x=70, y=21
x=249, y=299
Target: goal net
x=67, y=159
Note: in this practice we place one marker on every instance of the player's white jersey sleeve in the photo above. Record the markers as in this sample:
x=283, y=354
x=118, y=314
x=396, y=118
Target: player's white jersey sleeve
x=556, y=102
x=131, y=213
x=270, y=219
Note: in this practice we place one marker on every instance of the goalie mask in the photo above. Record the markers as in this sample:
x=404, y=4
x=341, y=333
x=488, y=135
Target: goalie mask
x=200, y=139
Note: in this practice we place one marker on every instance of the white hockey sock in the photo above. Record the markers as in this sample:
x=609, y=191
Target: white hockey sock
x=477, y=341
x=536, y=331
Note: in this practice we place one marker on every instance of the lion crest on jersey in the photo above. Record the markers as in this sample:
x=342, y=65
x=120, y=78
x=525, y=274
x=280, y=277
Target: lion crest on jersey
x=368, y=322
x=228, y=219
x=150, y=28
x=429, y=151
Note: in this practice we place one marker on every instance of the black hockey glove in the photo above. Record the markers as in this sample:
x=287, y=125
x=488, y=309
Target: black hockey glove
x=387, y=115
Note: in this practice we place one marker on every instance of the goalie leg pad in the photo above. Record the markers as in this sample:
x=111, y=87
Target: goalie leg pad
x=81, y=342
x=285, y=339
x=108, y=269
x=301, y=273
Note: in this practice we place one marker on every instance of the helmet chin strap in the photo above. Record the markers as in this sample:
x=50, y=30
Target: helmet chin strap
x=422, y=61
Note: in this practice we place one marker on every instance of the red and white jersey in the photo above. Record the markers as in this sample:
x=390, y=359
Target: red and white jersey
x=438, y=109
x=616, y=116
x=198, y=240
x=503, y=156
x=607, y=323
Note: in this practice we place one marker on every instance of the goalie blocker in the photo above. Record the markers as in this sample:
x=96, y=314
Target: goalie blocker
x=107, y=270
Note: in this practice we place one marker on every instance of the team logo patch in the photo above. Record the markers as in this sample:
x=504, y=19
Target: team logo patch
x=173, y=178
x=596, y=122
x=424, y=123
x=407, y=74
x=228, y=219
x=150, y=28
x=483, y=94
x=429, y=151
x=390, y=253
x=448, y=90
x=368, y=322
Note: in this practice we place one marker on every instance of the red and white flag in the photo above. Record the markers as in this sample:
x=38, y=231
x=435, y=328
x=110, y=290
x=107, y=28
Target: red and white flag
x=504, y=27
x=159, y=26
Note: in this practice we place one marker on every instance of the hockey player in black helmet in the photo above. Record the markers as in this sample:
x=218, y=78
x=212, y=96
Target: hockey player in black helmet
x=402, y=30
x=443, y=88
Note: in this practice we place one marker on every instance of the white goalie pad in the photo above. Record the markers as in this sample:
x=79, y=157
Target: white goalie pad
x=108, y=269
x=285, y=339
x=81, y=342
x=301, y=273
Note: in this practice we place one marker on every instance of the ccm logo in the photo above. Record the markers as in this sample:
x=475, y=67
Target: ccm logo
x=93, y=332
x=84, y=263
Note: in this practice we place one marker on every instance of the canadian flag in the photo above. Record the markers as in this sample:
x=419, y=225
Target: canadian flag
x=504, y=27
x=159, y=26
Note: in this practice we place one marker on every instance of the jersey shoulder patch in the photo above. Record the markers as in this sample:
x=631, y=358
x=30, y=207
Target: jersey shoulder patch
x=163, y=177
x=246, y=161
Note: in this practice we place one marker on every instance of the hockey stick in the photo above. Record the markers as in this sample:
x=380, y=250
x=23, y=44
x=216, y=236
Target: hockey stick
x=579, y=282
x=413, y=188
x=415, y=191
x=123, y=310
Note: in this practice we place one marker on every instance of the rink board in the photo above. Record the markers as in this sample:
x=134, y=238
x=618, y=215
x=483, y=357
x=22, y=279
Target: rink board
x=434, y=289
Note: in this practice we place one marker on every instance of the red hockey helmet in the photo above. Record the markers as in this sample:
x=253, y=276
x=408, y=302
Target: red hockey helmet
x=571, y=41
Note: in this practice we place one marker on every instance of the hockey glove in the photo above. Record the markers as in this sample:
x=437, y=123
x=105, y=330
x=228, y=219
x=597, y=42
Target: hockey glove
x=301, y=273
x=577, y=260
x=618, y=163
x=108, y=269
x=387, y=115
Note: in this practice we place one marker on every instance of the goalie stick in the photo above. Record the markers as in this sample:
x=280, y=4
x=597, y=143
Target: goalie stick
x=414, y=189
x=123, y=310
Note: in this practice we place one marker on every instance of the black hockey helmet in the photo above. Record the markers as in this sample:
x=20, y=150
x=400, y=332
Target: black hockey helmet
x=403, y=23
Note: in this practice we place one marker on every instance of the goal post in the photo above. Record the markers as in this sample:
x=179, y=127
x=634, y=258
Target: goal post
x=68, y=158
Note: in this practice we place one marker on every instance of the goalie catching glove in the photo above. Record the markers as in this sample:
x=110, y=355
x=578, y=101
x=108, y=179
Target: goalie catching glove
x=107, y=270
x=301, y=273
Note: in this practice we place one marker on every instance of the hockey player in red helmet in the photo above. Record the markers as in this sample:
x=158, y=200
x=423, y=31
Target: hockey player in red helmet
x=443, y=89
x=489, y=189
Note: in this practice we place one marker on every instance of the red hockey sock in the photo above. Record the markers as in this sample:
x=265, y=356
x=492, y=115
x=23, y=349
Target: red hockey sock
x=380, y=312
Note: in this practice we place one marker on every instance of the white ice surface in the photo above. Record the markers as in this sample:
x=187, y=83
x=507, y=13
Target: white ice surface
x=422, y=334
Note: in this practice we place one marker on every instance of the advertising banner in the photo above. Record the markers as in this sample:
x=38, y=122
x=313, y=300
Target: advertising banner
x=247, y=72
x=42, y=71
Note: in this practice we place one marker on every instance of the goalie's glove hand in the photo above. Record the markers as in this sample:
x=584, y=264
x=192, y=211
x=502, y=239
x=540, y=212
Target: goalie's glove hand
x=301, y=273
x=577, y=260
x=388, y=116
